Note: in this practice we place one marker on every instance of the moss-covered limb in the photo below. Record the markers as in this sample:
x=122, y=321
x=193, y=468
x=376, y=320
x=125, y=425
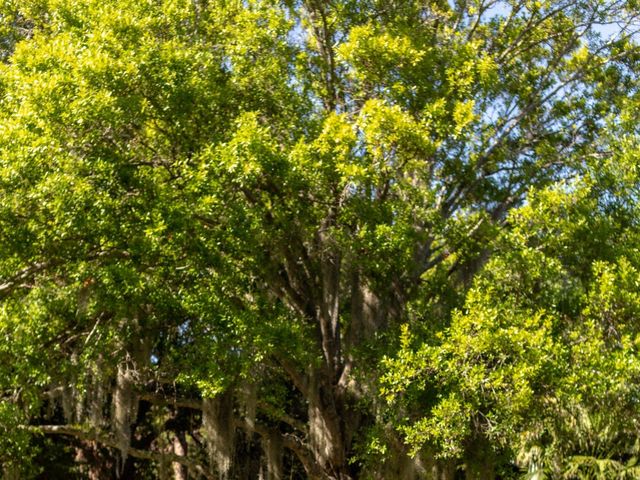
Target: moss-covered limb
x=109, y=441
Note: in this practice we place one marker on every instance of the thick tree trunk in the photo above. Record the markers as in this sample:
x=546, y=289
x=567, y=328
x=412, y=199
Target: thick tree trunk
x=125, y=403
x=125, y=397
x=367, y=315
x=274, y=453
x=219, y=431
x=325, y=429
x=328, y=313
x=179, y=449
x=325, y=402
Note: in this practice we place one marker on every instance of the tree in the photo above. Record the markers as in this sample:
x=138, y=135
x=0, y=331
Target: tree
x=223, y=222
x=540, y=364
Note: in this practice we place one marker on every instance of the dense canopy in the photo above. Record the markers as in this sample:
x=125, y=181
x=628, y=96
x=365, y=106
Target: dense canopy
x=319, y=239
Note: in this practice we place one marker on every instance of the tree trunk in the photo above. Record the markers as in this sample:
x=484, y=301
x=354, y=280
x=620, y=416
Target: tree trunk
x=219, y=431
x=273, y=450
x=125, y=398
x=326, y=436
x=179, y=449
x=125, y=403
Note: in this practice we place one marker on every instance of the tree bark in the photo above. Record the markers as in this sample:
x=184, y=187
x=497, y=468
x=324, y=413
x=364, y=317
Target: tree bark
x=125, y=404
x=273, y=449
x=219, y=431
x=180, y=450
x=326, y=436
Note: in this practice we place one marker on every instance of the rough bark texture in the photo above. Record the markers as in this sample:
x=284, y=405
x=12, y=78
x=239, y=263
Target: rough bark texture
x=273, y=452
x=125, y=405
x=367, y=316
x=248, y=399
x=219, y=431
x=325, y=426
x=179, y=449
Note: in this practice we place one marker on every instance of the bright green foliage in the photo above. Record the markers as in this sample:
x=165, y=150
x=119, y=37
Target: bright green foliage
x=349, y=239
x=542, y=360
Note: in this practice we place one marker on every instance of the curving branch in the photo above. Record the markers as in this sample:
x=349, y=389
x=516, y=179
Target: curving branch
x=108, y=441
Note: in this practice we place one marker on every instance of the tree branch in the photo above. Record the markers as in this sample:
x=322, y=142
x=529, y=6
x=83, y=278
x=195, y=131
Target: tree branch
x=106, y=440
x=22, y=275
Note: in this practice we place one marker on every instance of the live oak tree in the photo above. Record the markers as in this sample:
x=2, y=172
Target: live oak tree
x=332, y=240
x=541, y=362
